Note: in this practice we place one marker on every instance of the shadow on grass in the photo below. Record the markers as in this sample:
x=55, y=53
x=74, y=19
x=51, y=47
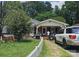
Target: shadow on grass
x=25, y=41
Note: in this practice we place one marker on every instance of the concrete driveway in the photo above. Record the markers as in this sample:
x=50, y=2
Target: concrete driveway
x=74, y=50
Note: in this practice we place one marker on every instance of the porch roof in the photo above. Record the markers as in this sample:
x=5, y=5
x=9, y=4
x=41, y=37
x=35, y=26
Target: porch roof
x=52, y=22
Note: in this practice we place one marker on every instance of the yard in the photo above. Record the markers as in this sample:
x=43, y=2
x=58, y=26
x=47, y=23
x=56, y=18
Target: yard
x=18, y=49
x=50, y=49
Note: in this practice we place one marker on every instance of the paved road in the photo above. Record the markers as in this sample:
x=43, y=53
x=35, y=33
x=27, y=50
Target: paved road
x=74, y=51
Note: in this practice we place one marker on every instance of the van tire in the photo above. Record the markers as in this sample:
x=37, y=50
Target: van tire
x=56, y=41
x=64, y=44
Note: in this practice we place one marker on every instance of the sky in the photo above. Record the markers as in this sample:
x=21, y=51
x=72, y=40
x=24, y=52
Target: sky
x=58, y=3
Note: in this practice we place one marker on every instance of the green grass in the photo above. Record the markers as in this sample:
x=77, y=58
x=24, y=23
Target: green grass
x=17, y=49
x=53, y=50
x=65, y=54
x=45, y=51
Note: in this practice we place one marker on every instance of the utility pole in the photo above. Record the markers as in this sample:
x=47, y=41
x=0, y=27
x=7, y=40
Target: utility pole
x=1, y=18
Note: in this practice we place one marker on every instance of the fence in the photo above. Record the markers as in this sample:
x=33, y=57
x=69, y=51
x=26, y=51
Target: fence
x=37, y=50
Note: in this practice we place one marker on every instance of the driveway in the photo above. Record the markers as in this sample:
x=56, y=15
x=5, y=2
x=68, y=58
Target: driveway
x=74, y=50
x=50, y=49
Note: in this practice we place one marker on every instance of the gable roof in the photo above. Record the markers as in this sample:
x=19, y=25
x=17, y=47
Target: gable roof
x=34, y=22
x=51, y=22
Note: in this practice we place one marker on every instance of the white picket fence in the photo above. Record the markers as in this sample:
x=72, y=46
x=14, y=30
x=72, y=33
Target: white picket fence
x=37, y=50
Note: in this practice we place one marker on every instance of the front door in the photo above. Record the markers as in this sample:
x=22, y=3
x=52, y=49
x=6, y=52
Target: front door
x=44, y=31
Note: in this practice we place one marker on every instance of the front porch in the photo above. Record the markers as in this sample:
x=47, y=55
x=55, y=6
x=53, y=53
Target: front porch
x=42, y=30
x=50, y=25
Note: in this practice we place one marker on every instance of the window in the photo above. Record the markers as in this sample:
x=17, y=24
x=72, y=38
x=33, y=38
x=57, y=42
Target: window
x=73, y=30
x=61, y=31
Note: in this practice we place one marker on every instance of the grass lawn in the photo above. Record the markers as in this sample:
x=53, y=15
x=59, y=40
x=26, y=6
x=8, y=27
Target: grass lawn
x=50, y=49
x=18, y=49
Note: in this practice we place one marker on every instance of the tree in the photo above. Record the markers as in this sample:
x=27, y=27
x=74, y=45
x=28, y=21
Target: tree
x=48, y=6
x=9, y=5
x=77, y=11
x=33, y=8
x=0, y=18
x=71, y=12
x=45, y=15
x=17, y=23
x=57, y=10
x=16, y=19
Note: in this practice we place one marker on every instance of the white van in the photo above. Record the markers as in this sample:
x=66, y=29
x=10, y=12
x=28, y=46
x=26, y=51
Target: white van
x=68, y=36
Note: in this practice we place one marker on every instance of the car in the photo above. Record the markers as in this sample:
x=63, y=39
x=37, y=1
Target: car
x=68, y=36
x=52, y=36
x=37, y=36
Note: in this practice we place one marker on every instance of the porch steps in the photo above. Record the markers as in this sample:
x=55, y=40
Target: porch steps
x=45, y=37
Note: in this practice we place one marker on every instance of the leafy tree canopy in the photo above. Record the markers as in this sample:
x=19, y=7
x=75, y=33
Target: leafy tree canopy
x=16, y=19
x=70, y=12
x=33, y=8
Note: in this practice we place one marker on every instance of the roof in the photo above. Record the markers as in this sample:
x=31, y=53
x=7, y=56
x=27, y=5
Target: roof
x=51, y=22
x=76, y=25
x=73, y=26
x=34, y=22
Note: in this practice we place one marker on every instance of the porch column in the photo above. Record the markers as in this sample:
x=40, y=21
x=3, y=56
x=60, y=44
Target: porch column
x=46, y=30
x=37, y=30
x=42, y=29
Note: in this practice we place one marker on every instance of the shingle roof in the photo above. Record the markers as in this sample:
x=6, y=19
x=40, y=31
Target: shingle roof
x=34, y=22
x=53, y=21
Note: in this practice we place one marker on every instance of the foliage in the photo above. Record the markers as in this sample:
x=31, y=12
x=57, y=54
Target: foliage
x=45, y=15
x=59, y=18
x=16, y=19
x=18, y=49
x=33, y=8
x=42, y=10
x=12, y=5
x=57, y=10
x=17, y=22
x=70, y=12
x=1, y=18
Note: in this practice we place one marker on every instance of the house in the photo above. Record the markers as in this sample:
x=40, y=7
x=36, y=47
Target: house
x=47, y=25
x=40, y=27
x=7, y=36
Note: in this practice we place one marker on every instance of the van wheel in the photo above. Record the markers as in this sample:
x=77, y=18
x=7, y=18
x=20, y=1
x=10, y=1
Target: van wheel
x=64, y=44
x=56, y=41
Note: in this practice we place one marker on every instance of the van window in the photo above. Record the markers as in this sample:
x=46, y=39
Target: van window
x=73, y=30
x=61, y=31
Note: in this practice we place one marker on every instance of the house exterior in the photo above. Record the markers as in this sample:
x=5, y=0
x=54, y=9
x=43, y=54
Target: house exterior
x=47, y=25
x=39, y=28
x=7, y=36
